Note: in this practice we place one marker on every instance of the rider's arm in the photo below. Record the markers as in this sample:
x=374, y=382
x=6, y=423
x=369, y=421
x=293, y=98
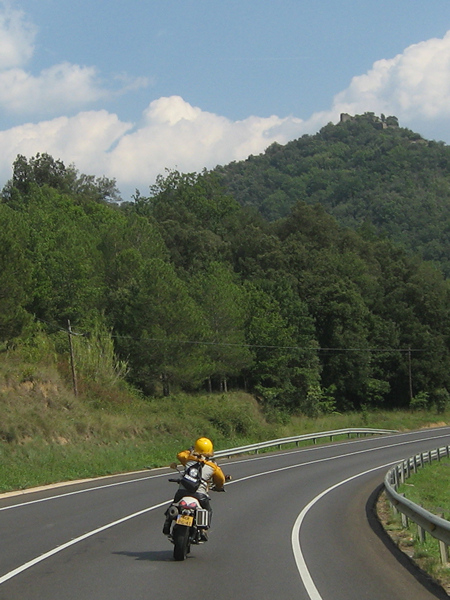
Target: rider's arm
x=218, y=477
x=184, y=456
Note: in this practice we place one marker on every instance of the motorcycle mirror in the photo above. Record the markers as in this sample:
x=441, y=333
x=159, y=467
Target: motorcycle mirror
x=228, y=477
x=174, y=466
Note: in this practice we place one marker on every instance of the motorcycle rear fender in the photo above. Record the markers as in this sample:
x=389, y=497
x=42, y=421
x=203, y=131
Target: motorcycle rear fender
x=190, y=500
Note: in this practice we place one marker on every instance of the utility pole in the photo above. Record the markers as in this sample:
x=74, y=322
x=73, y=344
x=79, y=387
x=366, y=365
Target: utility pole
x=72, y=361
x=410, y=375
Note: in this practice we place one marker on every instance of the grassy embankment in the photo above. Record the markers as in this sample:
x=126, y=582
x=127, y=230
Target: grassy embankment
x=428, y=488
x=48, y=435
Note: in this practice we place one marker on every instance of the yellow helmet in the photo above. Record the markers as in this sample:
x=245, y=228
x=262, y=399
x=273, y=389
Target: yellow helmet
x=204, y=446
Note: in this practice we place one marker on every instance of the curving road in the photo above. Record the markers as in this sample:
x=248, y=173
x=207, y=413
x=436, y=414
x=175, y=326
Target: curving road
x=294, y=524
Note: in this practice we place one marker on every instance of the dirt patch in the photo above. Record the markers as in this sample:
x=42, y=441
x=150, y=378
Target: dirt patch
x=62, y=441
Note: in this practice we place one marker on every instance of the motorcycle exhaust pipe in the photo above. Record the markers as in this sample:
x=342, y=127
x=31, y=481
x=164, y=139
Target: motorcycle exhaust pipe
x=173, y=511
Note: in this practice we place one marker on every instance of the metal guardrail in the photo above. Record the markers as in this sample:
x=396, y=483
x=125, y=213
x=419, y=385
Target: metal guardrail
x=426, y=521
x=301, y=438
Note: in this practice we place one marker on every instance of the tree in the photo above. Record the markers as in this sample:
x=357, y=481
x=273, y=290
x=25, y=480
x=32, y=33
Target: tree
x=15, y=273
x=286, y=367
x=222, y=302
x=159, y=329
x=364, y=170
x=67, y=275
x=193, y=214
x=43, y=170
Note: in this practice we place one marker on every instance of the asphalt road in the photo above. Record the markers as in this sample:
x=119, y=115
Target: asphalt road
x=293, y=524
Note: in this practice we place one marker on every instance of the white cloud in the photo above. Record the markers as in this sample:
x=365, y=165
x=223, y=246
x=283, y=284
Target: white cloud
x=16, y=37
x=58, y=89
x=83, y=140
x=174, y=135
x=414, y=86
x=178, y=135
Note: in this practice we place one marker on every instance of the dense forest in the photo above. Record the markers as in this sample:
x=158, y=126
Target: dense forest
x=363, y=171
x=298, y=275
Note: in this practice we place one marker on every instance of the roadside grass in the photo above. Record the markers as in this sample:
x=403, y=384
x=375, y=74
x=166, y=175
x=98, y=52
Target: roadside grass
x=429, y=489
x=48, y=435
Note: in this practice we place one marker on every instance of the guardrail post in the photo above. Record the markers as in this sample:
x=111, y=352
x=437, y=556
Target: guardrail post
x=402, y=473
x=443, y=548
x=395, y=473
x=405, y=521
x=421, y=534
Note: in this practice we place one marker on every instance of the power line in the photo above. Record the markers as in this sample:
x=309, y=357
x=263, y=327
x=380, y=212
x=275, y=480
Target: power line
x=60, y=328
x=269, y=346
x=237, y=345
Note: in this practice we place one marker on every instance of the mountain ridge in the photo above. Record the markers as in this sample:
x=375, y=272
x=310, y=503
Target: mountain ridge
x=363, y=174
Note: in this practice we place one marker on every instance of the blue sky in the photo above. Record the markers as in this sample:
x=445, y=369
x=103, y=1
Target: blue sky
x=129, y=88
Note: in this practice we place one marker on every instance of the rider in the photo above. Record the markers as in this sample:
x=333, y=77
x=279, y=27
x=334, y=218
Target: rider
x=202, y=452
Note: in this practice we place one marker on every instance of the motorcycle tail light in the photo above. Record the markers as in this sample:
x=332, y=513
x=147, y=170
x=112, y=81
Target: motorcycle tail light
x=184, y=504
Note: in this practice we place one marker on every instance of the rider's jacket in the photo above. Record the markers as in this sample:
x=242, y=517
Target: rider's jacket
x=210, y=470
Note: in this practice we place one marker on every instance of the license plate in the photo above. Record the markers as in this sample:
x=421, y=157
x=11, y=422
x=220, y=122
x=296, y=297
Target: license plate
x=185, y=520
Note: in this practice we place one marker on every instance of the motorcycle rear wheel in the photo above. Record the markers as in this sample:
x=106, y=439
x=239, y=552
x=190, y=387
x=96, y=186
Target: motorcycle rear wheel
x=180, y=536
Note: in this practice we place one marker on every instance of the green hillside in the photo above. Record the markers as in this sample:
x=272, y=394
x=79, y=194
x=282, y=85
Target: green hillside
x=364, y=171
x=187, y=290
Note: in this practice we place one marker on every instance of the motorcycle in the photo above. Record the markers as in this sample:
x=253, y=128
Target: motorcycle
x=189, y=522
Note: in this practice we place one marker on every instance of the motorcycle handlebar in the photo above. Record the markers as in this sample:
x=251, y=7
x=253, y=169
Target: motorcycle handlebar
x=212, y=488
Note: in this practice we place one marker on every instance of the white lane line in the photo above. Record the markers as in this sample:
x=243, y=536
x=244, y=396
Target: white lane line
x=270, y=455
x=74, y=493
x=296, y=545
x=54, y=551
x=251, y=459
x=327, y=458
x=50, y=553
x=61, y=484
x=303, y=570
